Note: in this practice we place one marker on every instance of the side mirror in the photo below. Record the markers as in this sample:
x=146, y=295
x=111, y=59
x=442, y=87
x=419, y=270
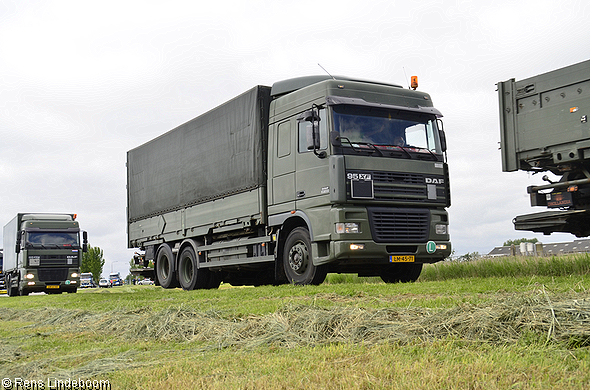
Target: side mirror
x=313, y=135
x=442, y=136
x=312, y=129
x=335, y=138
x=443, y=140
x=84, y=241
x=18, y=241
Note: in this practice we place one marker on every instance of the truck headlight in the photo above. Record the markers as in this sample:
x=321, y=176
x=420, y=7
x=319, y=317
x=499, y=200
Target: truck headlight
x=74, y=274
x=30, y=276
x=441, y=229
x=348, y=227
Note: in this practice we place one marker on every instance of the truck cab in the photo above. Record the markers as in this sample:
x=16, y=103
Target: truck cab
x=45, y=253
x=115, y=279
x=361, y=167
x=87, y=280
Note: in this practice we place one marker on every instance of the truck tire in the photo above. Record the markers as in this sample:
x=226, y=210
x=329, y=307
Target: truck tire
x=401, y=272
x=297, y=259
x=165, y=267
x=189, y=276
x=10, y=291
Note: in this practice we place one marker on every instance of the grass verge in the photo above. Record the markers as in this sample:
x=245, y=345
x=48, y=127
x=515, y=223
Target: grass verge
x=520, y=331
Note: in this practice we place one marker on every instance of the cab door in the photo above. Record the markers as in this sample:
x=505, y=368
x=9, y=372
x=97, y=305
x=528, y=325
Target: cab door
x=282, y=189
x=312, y=177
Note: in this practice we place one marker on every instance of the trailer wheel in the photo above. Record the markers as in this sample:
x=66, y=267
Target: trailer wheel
x=401, y=272
x=165, y=267
x=189, y=276
x=297, y=259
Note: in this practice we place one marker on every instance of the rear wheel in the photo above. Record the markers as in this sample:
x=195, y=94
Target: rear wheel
x=165, y=267
x=189, y=275
x=401, y=272
x=297, y=259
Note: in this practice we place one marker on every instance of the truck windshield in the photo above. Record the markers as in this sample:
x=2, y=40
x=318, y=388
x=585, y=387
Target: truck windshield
x=53, y=239
x=389, y=129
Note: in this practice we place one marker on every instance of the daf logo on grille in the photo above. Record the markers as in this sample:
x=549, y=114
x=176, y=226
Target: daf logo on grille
x=434, y=180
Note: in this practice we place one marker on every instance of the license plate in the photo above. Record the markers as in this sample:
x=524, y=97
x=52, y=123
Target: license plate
x=53, y=286
x=401, y=259
x=559, y=199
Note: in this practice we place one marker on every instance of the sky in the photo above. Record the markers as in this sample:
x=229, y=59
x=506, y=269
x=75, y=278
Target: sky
x=81, y=83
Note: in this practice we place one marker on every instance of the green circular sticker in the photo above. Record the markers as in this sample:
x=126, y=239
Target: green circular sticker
x=431, y=247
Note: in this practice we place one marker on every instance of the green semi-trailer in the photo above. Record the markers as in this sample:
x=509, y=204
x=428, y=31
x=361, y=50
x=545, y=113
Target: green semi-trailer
x=284, y=184
x=544, y=128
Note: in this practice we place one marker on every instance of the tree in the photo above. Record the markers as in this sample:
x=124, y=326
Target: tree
x=93, y=261
x=519, y=240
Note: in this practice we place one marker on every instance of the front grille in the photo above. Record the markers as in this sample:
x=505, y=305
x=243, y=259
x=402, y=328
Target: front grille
x=53, y=260
x=52, y=274
x=405, y=187
x=399, y=224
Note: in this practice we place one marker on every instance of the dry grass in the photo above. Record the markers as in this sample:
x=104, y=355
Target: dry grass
x=496, y=338
x=553, y=318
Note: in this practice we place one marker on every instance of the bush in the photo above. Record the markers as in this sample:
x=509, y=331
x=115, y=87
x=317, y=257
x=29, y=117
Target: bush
x=510, y=266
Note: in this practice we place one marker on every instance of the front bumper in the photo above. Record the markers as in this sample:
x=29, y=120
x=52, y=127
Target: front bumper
x=368, y=252
x=48, y=287
x=429, y=246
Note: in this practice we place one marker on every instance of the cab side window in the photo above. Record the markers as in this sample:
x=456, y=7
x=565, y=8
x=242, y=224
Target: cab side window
x=284, y=139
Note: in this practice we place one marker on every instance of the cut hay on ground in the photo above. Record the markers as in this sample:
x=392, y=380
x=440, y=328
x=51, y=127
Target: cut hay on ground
x=506, y=320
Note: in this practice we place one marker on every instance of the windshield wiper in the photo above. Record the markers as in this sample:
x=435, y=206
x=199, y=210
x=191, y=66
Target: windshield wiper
x=404, y=149
x=350, y=143
x=371, y=145
x=429, y=151
x=362, y=143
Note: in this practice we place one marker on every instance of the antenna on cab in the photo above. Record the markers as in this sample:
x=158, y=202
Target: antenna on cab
x=333, y=78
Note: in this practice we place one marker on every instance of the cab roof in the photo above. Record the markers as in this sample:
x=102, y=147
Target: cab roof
x=286, y=86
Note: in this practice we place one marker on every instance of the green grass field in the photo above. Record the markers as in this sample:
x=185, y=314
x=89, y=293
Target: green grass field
x=512, y=323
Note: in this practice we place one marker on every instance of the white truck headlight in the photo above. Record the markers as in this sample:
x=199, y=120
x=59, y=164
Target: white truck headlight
x=441, y=229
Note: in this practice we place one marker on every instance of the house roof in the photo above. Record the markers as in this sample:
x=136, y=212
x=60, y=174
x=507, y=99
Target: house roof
x=576, y=246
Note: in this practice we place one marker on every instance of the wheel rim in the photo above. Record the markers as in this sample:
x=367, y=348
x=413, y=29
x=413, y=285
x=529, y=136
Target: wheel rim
x=299, y=257
x=187, y=270
x=163, y=265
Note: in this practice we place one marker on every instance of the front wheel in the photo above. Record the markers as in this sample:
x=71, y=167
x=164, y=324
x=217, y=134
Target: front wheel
x=11, y=291
x=298, y=260
x=401, y=272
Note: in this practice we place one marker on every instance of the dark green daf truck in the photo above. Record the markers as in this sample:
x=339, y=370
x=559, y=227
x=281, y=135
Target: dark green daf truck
x=544, y=128
x=42, y=253
x=285, y=184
